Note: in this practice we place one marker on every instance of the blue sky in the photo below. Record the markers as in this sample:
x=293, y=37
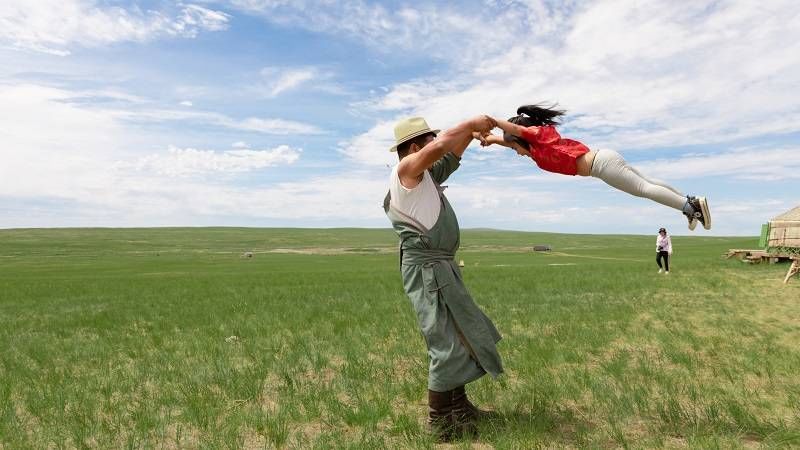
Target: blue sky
x=274, y=113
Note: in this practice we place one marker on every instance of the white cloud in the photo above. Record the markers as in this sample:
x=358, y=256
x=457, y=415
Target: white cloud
x=189, y=161
x=372, y=148
x=406, y=95
x=763, y=164
x=277, y=80
x=632, y=76
x=54, y=26
x=86, y=165
x=55, y=153
x=426, y=29
x=643, y=75
x=132, y=110
x=270, y=126
x=45, y=137
x=147, y=198
x=254, y=124
x=194, y=18
x=70, y=154
x=56, y=149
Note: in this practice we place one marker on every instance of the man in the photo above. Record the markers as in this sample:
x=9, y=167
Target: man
x=460, y=338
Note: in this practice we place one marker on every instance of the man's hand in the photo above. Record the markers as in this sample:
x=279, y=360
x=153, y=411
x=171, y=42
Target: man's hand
x=481, y=137
x=483, y=124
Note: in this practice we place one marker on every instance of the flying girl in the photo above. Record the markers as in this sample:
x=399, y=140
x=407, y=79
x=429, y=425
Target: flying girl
x=533, y=133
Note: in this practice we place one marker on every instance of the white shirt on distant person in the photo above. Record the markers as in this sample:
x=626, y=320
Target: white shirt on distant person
x=664, y=243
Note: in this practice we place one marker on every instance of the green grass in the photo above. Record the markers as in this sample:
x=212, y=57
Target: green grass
x=123, y=338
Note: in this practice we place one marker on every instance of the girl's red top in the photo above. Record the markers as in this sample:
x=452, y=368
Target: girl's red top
x=551, y=152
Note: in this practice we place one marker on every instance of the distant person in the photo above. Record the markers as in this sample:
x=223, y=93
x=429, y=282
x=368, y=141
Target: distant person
x=663, y=250
x=460, y=338
x=532, y=133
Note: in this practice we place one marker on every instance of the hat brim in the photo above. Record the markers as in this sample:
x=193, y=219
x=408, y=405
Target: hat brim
x=412, y=136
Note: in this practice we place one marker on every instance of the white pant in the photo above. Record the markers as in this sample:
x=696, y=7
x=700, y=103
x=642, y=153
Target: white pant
x=611, y=167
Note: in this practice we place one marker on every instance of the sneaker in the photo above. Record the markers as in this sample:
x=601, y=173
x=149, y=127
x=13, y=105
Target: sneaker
x=660, y=270
x=690, y=215
x=701, y=212
x=692, y=222
x=666, y=273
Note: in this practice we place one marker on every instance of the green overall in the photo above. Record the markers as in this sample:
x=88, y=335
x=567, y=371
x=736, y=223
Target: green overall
x=460, y=338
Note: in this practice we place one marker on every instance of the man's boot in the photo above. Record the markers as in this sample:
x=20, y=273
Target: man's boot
x=447, y=417
x=461, y=422
x=440, y=415
x=465, y=407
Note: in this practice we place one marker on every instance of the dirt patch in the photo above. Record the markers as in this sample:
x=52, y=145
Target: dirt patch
x=270, y=393
x=179, y=435
x=253, y=440
x=311, y=430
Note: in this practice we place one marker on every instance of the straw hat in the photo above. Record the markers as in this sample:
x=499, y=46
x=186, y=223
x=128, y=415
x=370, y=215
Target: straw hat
x=408, y=129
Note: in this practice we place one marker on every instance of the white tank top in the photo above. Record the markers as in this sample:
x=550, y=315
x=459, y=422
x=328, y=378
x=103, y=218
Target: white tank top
x=421, y=203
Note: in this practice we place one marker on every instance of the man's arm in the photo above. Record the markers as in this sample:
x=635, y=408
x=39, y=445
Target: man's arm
x=440, y=170
x=455, y=140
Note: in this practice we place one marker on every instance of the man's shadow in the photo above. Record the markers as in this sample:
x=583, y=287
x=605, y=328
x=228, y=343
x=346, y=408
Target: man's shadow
x=537, y=422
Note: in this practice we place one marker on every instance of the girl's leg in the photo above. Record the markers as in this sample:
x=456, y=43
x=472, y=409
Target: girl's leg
x=658, y=260
x=666, y=262
x=610, y=167
x=656, y=181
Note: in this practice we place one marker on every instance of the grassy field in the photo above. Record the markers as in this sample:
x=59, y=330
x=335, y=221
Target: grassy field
x=169, y=338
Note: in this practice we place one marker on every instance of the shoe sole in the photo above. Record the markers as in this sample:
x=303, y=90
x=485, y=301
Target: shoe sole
x=706, y=213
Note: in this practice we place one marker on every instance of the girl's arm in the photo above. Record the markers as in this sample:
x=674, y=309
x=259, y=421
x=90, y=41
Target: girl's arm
x=546, y=134
x=510, y=128
x=490, y=139
x=494, y=139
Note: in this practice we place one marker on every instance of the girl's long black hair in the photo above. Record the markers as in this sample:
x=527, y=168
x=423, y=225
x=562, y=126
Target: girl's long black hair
x=533, y=116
